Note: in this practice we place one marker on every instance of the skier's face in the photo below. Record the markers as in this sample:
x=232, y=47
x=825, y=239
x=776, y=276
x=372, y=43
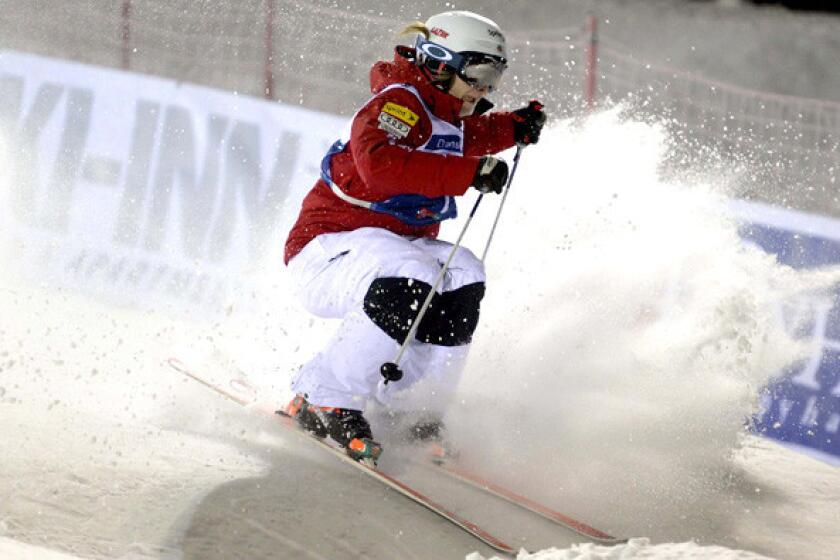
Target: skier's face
x=467, y=93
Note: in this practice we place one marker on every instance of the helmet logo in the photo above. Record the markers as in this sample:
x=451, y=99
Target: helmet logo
x=439, y=32
x=495, y=34
x=436, y=51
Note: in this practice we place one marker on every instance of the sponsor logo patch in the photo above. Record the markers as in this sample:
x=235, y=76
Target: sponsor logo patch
x=447, y=142
x=393, y=125
x=405, y=114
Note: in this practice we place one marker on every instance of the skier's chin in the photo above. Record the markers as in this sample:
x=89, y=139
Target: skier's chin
x=468, y=106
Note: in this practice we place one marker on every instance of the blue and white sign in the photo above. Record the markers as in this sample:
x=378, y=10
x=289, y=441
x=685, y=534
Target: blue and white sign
x=803, y=407
x=146, y=189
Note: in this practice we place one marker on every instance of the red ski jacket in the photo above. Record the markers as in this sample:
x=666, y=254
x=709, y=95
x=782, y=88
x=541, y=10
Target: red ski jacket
x=378, y=166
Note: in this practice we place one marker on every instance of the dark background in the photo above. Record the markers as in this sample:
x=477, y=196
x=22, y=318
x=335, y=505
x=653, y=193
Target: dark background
x=807, y=5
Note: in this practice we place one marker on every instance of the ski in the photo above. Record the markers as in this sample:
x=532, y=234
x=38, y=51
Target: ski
x=475, y=481
x=243, y=393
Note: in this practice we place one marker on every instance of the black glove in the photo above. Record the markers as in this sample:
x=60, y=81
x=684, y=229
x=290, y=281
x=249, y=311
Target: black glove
x=491, y=175
x=528, y=123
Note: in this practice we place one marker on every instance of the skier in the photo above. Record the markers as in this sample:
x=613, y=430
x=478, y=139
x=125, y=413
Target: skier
x=364, y=246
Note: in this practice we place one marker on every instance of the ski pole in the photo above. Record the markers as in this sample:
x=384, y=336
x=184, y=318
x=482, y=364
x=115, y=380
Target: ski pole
x=391, y=370
x=502, y=204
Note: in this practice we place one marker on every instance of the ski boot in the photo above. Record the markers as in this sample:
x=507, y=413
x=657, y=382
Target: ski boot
x=432, y=434
x=347, y=427
x=424, y=431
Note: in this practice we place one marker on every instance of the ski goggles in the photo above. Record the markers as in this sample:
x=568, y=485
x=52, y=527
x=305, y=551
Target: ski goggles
x=477, y=69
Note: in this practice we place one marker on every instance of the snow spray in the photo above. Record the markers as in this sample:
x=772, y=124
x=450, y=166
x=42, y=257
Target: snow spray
x=626, y=333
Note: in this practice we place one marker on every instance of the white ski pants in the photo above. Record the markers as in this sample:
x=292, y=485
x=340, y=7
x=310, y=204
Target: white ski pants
x=332, y=276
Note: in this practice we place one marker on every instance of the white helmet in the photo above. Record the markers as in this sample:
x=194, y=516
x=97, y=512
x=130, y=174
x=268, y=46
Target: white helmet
x=462, y=31
x=466, y=44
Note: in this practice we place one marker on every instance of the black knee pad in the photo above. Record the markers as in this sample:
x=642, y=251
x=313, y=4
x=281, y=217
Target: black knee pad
x=452, y=317
x=393, y=303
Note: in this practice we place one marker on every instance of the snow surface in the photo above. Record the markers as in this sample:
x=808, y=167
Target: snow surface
x=14, y=550
x=624, y=337
x=636, y=548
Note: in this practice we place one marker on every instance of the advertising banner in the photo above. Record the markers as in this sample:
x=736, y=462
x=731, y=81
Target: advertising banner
x=802, y=407
x=148, y=189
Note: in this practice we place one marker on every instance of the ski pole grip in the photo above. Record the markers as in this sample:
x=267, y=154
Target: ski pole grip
x=391, y=372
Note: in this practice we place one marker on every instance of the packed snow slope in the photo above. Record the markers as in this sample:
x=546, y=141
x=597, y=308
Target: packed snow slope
x=624, y=338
